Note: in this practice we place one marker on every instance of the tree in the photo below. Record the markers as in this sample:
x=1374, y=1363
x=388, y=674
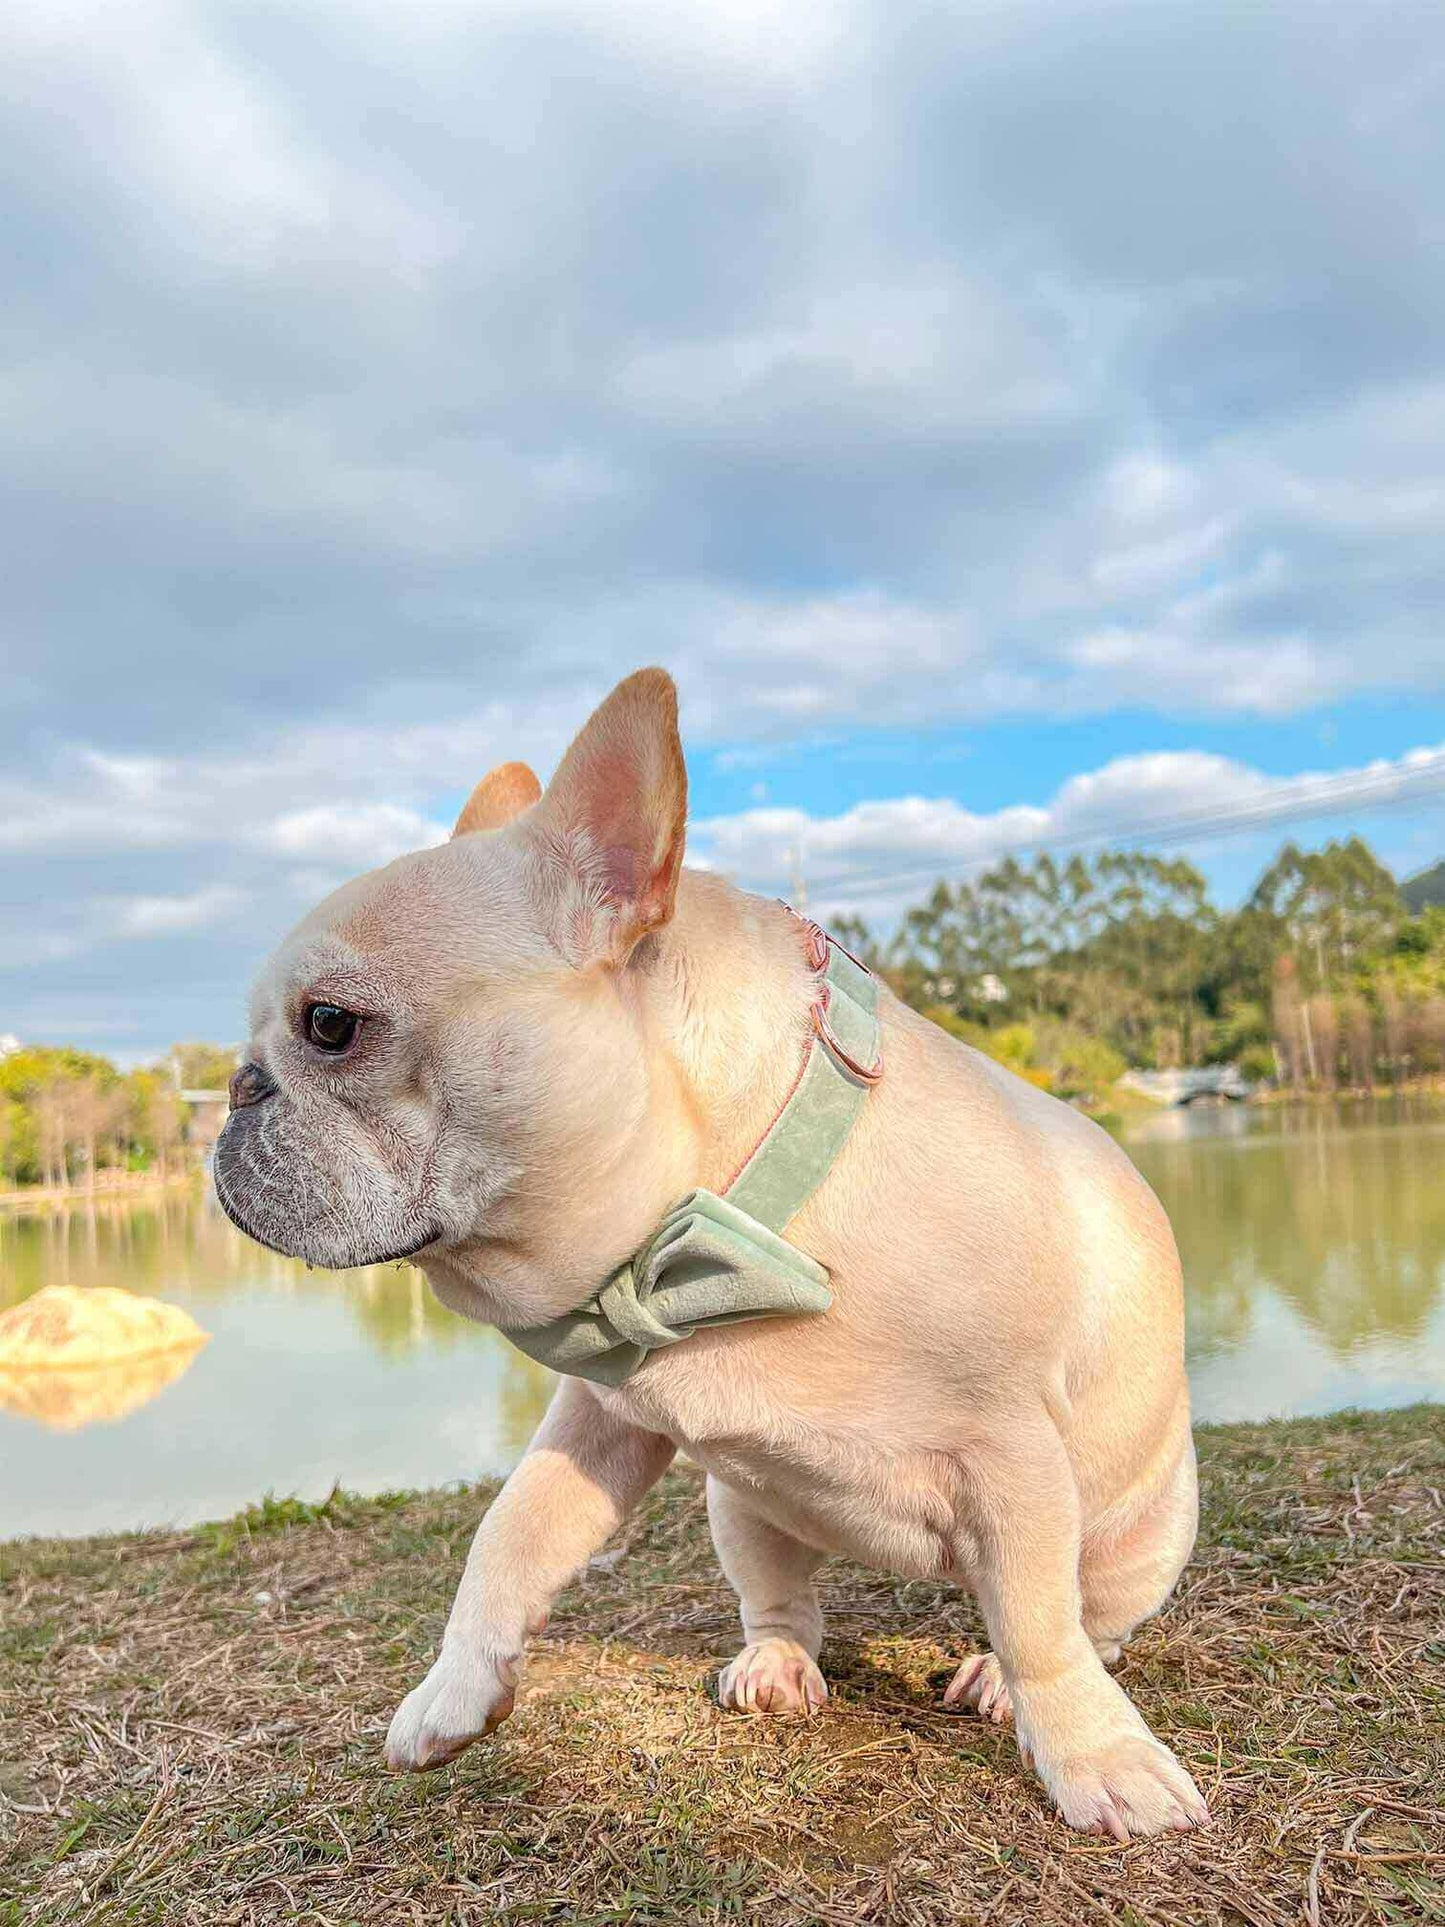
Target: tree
x=156, y=1123
x=13, y=1134
x=203, y=1067
x=1336, y=907
x=67, y=1112
x=1322, y=975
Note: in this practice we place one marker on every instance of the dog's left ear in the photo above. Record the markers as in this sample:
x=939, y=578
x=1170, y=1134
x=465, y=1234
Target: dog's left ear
x=502, y=794
x=612, y=822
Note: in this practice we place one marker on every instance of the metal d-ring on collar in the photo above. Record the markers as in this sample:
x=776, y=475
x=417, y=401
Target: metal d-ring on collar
x=819, y=944
x=716, y=1260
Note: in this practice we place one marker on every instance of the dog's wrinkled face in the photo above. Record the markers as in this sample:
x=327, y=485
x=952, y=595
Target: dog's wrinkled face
x=384, y=1015
x=428, y=1046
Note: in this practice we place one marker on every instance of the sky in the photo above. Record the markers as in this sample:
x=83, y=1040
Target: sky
x=1012, y=425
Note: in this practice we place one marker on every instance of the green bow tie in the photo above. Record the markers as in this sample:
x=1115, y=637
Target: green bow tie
x=718, y=1260
x=706, y=1264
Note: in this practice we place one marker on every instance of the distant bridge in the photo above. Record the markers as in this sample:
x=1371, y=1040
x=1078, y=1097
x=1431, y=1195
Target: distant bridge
x=208, y=1111
x=1212, y=1084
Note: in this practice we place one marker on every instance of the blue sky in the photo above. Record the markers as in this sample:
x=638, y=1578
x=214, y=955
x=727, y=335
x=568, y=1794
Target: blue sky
x=1008, y=423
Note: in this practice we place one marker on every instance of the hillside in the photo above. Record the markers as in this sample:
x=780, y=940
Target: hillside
x=1427, y=887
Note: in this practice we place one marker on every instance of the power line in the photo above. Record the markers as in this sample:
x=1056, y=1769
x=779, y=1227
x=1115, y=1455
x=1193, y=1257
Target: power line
x=1297, y=801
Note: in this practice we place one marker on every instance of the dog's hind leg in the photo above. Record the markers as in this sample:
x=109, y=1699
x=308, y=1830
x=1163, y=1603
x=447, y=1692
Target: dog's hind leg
x=1100, y=1763
x=1127, y=1576
x=1124, y=1578
x=772, y=1575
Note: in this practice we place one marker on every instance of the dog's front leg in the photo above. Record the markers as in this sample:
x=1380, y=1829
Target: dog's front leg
x=1104, y=1768
x=772, y=1575
x=582, y=1474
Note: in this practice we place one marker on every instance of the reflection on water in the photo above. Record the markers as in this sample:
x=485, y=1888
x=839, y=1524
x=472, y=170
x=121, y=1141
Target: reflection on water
x=177, y=1245
x=310, y=1377
x=1313, y=1244
x=68, y=1398
x=1313, y=1240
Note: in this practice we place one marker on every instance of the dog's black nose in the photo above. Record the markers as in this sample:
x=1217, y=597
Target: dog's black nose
x=249, y=1085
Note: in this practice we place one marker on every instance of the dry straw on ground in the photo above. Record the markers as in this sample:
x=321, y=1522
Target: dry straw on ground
x=192, y=1727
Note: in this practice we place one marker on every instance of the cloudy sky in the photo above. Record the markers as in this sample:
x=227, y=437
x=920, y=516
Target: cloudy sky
x=1011, y=424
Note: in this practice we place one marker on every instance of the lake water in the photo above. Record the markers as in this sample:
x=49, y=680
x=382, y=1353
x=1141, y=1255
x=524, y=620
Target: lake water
x=1313, y=1244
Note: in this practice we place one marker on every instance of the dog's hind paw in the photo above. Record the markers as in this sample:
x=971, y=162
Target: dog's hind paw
x=772, y=1676
x=980, y=1686
x=462, y=1698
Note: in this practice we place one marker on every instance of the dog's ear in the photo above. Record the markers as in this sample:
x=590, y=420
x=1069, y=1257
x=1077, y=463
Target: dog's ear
x=612, y=822
x=502, y=794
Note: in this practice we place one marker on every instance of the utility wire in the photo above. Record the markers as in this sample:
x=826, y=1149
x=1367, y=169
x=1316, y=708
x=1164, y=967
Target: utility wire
x=1298, y=801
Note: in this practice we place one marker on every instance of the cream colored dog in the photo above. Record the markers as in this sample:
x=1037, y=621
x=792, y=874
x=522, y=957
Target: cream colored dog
x=507, y=1057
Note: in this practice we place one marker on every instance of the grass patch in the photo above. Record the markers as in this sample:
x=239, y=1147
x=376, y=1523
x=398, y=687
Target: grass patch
x=192, y=1726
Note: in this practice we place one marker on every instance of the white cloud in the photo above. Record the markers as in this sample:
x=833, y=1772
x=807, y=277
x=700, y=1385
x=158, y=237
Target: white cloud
x=168, y=916
x=1184, y=670
x=307, y=793
x=879, y=856
x=868, y=367
x=223, y=159
x=28, y=948
x=359, y=836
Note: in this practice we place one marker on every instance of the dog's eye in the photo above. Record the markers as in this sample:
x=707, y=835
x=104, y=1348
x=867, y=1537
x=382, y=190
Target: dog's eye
x=329, y=1027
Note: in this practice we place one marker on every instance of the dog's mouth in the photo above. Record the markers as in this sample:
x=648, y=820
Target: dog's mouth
x=409, y=1251
x=270, y=1238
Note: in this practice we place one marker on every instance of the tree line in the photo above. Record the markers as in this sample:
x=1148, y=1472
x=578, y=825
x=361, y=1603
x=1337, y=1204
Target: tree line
x=1324, y=978
x=1072, y=972
x=67, y=1117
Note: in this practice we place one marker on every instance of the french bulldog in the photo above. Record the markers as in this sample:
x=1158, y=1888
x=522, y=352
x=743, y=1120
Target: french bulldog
x=505, y=1059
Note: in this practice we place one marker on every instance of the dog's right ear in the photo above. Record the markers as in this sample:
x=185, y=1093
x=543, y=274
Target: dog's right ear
x=612, y=823
x=502, y=794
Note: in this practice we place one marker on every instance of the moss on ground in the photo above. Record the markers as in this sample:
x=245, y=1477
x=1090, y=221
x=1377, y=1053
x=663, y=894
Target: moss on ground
x=192, y=1726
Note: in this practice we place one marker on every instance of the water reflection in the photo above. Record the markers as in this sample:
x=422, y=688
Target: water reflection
x=177, y=1243
x=1314, y=1251
x=68, y=1398
x=310, y=1378
x=1313, y=1240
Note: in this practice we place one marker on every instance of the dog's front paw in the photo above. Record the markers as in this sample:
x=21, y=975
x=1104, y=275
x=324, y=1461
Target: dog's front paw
x=464, y=1697
x=1131, y=1787
x=772, y=1676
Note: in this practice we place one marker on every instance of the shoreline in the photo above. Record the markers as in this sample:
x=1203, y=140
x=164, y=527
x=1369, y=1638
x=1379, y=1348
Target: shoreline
x=1352, y=1093
x=39, y=1197
x=197, y=1719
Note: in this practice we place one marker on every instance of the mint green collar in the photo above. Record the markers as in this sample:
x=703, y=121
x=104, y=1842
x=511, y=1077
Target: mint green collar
x=716, y=1260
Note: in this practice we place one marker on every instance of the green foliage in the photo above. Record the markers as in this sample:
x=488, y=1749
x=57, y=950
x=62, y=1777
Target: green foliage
x=1417, y=962
x=1116, y=948
x=1257, y=1062
x=1013, y=1045
x=1334, y=908
x=203, y=1067
x=1059, y=1057
x=1426, y=889
x=67, y=1115
x=1078, y=1065
x=32, y=1067
x=1070, y=972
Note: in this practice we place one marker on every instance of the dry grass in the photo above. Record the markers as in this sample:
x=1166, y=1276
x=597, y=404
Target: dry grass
x=193, y=1723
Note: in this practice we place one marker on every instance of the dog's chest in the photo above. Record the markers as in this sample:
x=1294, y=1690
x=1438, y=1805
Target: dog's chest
x=855, y=1492
x=897, y=1515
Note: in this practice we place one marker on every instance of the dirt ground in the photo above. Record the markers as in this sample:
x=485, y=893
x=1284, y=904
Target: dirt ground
x=192, y=1726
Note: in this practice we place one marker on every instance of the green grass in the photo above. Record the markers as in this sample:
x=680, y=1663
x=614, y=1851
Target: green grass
x=192, y=1726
